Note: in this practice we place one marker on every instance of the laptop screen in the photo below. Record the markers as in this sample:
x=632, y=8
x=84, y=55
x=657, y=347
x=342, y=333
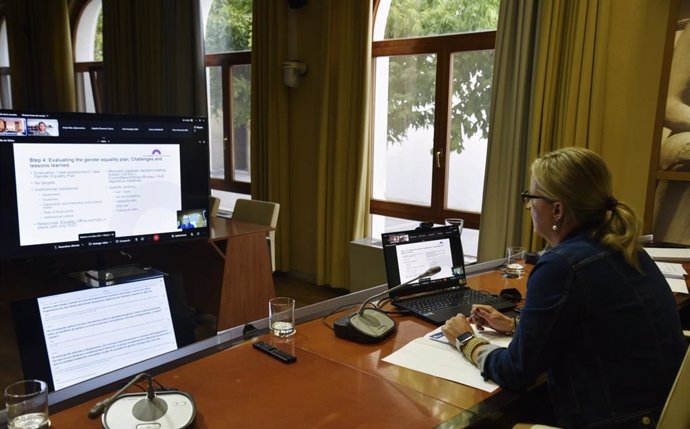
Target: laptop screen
x=408, y=254
x=71, y=337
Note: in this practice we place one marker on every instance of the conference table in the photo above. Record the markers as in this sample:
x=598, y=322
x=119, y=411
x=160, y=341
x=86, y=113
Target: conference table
x=333, y=384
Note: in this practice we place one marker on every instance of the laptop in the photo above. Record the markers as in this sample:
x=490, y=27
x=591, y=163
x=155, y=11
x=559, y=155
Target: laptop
x=437, y=298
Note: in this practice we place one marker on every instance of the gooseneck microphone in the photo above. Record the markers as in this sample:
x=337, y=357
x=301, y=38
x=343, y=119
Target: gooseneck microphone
x=428, y=273
x=371, y=325
x=101, y=406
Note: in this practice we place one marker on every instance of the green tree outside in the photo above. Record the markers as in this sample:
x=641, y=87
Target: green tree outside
x=412, y=78
x=229, y=29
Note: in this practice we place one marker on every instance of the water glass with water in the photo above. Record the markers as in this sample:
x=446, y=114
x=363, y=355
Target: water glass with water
x=281, y=316
x=27, y=405
x=515, y=260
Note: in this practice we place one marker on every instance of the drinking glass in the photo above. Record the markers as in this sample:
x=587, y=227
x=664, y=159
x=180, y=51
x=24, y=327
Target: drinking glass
x=281, y=316
x=27, y=405
x=515, y=260
x=456, y=221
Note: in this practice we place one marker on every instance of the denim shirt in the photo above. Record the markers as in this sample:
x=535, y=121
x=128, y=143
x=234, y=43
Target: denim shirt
x=608, y=337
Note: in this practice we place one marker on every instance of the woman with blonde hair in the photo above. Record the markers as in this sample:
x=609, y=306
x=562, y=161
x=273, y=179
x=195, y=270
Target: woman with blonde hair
x=599, y=317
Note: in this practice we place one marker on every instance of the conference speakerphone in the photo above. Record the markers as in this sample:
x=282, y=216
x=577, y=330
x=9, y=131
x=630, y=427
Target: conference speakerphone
x=176, y=411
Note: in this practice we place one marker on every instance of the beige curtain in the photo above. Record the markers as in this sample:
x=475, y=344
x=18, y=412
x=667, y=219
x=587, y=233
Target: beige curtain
x=569, y=73
x=595, y=79
x=40, y=52
x=153, y=57
x=333, y=156
x=502, y=212
x=270, y=145
x=342, y=199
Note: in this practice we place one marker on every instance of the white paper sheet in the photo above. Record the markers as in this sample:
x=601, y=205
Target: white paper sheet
x=677, y=285
x=440, y=359
x=671, y=270
x=670, y=254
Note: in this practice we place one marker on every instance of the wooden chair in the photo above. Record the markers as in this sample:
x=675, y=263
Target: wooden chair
x=676, y=412
x=262, y=213
x=213, y=206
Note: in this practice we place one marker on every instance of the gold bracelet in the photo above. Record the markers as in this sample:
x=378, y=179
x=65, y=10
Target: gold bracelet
x=471, y=345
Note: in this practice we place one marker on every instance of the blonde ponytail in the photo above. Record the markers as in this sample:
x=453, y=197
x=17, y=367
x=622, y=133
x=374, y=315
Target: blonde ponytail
x=621, y=231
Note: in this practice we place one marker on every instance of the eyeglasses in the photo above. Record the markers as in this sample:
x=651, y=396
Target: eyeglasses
x=527, y=198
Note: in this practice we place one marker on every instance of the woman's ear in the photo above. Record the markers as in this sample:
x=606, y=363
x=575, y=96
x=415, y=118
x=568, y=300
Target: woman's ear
x=557, y=211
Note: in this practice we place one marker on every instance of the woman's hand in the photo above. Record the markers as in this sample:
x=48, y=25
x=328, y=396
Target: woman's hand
x=485, y=315
x=456, y=326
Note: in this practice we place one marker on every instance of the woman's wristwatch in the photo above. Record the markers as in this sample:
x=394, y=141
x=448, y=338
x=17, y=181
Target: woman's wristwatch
x=462, y=340
x=467, y=343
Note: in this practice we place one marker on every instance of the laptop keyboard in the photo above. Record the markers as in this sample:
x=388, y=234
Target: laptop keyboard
x=426, y=304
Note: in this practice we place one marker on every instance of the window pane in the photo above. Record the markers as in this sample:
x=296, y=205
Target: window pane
x=471, y=98
x=229, y=26
x=404, y=128
x=241, y=110
x=4, y=46
x=397, y=19
x=215, y=121
x=381, y=224
x=88, y=44
x=5, y=91
x=85, y=101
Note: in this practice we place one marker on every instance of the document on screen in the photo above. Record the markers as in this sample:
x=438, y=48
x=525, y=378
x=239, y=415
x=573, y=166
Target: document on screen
x=91, y=332
x=64, y=189
x=415, y=258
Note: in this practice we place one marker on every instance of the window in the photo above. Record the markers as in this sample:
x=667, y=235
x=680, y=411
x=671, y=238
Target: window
x=433, y=65
x=5, y=90
x=88, y=57
x=227, y=36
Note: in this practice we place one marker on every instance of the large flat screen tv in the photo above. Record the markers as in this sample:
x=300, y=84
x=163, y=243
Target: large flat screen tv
x=78, y=182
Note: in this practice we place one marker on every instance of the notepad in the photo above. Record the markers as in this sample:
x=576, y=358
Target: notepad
x=669, y=254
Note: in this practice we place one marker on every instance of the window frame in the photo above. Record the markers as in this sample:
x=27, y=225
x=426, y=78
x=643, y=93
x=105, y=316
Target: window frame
x=5, y=79
x=226, y=61
x=443, y=47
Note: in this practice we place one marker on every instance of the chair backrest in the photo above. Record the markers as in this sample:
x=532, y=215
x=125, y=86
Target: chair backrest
x=676, y=412
x=255, y=211
x=263, y=213
x=213, y=205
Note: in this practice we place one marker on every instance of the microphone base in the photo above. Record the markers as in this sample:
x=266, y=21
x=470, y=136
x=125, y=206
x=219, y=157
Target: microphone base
x=179, y=414
x=373, y=326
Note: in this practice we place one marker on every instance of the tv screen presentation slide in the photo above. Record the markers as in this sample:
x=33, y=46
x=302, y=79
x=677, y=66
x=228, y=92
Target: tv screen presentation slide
x=68, y=189
x=92, y=332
